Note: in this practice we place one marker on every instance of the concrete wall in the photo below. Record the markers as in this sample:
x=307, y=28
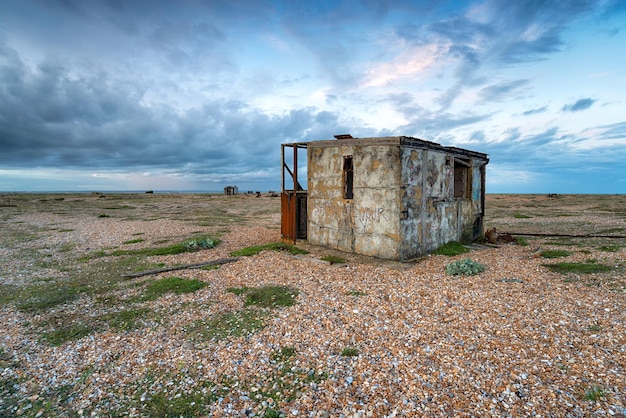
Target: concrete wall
x=403, y=204
x=369, y=222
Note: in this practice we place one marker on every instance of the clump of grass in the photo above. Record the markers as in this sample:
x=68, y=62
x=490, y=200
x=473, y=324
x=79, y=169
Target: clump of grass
x=594, y=393
x=275, y=246
x=210, y=267
x=579, y=268
x=609, y=248
x=554, y=253
x=521, y=216
x=349, y=352
x=563, y=243
x=41, y=297
x=104, y=215
x=127, y=320
x=595, y=328
x=271, y=296
x=284, y=354
x=465, y=267
x=451, y=248
x=175, y=285
x=164, y=402
x=186, y=405
x=69, y=333
x=238, y=290
x=521, y=242
x=134, y=241
x=228, y=324
x=356, y=293
x=333, y=260
x=193, y=244
x=196, y=244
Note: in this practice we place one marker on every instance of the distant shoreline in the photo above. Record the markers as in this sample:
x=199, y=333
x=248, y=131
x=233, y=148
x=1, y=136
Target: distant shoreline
x=220, y=192
x=95, y=192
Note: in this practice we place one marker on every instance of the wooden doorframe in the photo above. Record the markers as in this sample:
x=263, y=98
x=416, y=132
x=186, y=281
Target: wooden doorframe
x=293, y=221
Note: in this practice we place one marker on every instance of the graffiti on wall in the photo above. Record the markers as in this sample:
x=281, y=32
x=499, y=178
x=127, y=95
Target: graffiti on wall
x=364, y=216
x=367, y=215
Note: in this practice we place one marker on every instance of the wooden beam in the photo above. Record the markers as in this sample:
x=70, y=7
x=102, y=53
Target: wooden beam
x=185, y=267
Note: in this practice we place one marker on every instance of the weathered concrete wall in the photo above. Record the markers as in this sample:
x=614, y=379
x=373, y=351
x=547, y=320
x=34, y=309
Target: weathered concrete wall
x=411, y=203
x=366, y=224
x=403, y=204
x=430, y=214
x=438, y=215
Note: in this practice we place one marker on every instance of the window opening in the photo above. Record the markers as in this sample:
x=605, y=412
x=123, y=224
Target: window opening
x=462, y=178
x=348, y=177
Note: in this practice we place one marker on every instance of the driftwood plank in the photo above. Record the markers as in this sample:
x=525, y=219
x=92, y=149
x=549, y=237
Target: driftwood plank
x=529, y=234
x=184, y=267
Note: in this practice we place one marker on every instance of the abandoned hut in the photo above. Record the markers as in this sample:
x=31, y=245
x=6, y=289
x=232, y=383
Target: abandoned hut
x=231, y=190
x=389, y=197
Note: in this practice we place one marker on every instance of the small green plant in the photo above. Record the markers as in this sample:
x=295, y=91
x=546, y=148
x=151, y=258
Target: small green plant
x=521, y=216
x=69, y=333
x=210, y=267
x=271, y=296
x=579, y=268
x=185, y=405
x=333, y=260
x=104, y=215
x=521, y=242
x=4, y=358
x=451, y=248
x=183, y=247
x=609, y=248
x=356, y=293
x=196, y=244
x=595, y=328
x=272, y=413
x=134, y=241
x=594, y=393
x=284, y=354
x=228, y=324
x=465, y=267
x=349, y=352
x=554, y=253
x=175, y=285
x=238, y=290
x=41, y=297
x=127, y=320
x=276, y=246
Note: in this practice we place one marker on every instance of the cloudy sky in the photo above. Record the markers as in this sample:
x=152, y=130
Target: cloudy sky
x=197, y=95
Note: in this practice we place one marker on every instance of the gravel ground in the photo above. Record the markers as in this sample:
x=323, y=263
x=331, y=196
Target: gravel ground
x=515, y=340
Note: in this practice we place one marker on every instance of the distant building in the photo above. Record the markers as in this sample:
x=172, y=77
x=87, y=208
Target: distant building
x=231, y=190
x=389, y=197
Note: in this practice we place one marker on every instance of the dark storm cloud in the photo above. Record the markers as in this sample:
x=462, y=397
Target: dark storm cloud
x=579, y=105
x=53, y=118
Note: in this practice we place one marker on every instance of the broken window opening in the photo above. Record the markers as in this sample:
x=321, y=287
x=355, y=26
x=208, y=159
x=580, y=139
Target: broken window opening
x=462, y=178
x=348, y=177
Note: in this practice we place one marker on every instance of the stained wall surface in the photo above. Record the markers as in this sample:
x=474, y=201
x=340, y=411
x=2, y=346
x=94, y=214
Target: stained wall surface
x=366, y=224
x=403, y=203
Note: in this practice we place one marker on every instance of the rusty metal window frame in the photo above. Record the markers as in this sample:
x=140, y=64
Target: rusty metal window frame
x=348, y=177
